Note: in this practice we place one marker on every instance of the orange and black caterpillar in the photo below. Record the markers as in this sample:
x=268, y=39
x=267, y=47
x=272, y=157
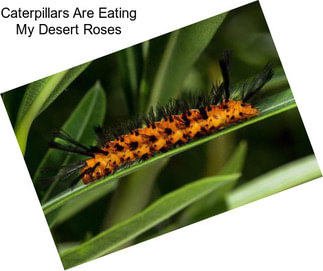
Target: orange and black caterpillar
x=176, y=123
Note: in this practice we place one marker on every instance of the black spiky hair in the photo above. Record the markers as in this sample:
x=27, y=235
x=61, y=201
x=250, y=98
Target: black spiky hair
x=250, y=88
x=65, y=171
x=225, y=70
x=70, y=145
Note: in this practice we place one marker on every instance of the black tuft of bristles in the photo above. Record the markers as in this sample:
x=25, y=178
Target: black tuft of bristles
x=116, y=131
x=225, y=69
x=203, y=100
x=66, y=137
x=61, y=167
x=188, y=101
x=150, y=118
x=184, y=105
x=251, y=88
x=161, y=112
x=71, y=145
x=100, y=135
x=216, y=94
x=173, y=107
x=127, y=127
x=69, y=170
x=131, y=125
x=70, y=148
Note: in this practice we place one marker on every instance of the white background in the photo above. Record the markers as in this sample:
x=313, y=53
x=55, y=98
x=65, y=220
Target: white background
x=281, y=232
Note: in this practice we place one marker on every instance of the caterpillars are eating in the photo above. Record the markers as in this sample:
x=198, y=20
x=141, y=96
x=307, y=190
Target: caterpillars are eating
x=165, y=127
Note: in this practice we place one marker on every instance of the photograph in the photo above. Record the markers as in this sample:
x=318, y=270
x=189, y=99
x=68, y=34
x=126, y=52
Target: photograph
x=161, y=135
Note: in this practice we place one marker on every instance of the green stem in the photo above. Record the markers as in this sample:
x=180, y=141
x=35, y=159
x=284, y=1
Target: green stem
x=23, y=127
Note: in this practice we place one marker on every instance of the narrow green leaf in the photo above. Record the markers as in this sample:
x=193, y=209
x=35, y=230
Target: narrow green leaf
x=69, y=77
x=133, y=194
x=160, y=210
x=79, y=203
x=217, y=153
x=182, y=50
x=210, y=205
x=131, y=197
x=269, y=106
x=39, y=95
x=143, y=85
x=89, y=113
x=130, y=63
x=282, y=178
x=236, y=162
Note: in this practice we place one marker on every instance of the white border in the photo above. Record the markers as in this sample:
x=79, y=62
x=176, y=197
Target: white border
x=281, y=232
x=34, y=58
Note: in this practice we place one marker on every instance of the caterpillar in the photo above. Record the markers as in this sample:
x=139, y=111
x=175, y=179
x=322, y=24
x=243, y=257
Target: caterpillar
x=164, y=127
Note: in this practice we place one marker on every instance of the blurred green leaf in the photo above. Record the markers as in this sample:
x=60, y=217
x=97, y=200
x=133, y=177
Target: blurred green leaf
x=133, y=194
x=183, y=48
x=89, y=113
x=38, y=96
x=269, y=106
x=236, y=162
x=69, y=77
x=277, y=180
x=211, y=204
x=218, y=152
x=160, y=210
x=79, y=203
x=144, y=90
x=130, y=198
x=131, y=65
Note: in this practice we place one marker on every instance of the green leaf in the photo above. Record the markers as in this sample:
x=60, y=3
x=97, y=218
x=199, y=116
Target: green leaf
x=38, y=96
x=79, y=203
x=89, y=113
x=160, y=210
x=133, y=194
x=144, y=90
x=236, y=162
x=183, y=48
x=131, y=197
x=269, y=106
x=130, y=63
x=282, y=178
x=211, y=204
